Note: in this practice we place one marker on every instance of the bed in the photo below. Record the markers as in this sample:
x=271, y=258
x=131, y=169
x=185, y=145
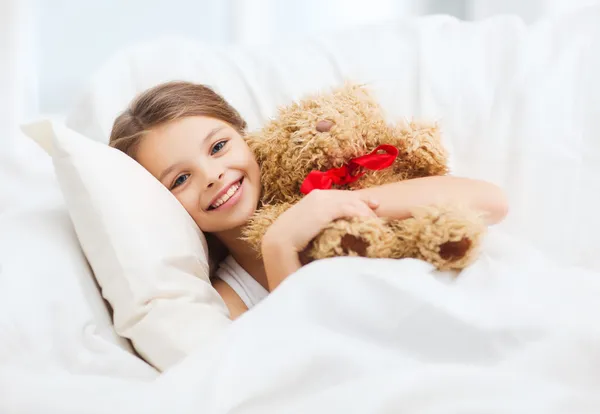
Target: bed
x=519, y=105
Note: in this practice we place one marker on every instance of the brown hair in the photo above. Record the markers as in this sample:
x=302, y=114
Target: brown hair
x=165, y=103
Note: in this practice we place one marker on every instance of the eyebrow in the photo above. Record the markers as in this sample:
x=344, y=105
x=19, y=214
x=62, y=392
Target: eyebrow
x=208, y=136
x=213, y=132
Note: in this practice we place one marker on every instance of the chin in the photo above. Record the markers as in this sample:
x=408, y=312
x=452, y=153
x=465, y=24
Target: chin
x=230, y=224
x=241, y=221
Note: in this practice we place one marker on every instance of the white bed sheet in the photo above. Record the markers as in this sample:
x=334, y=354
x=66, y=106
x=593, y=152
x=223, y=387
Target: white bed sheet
x=517, y=333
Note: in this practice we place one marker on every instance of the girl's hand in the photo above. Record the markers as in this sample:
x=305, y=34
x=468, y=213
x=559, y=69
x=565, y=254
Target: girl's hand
x=302, y=222
x=296, y=227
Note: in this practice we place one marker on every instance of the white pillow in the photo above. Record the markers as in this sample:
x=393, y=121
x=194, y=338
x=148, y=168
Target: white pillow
x=148, y=255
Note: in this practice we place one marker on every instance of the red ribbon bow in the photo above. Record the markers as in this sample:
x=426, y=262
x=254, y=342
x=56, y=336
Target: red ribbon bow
x=346, y=174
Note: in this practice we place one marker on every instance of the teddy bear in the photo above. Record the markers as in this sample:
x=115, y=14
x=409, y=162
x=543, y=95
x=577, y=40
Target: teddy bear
x=339, y=138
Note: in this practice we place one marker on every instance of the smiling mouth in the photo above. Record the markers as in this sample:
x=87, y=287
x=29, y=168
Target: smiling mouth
x=235, y=187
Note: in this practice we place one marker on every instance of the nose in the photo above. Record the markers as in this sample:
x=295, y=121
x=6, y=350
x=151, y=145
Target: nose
x=214, y=178
x=211, y=182
x=211, y=170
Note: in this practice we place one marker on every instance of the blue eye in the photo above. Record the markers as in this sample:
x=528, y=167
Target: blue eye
x=180, y=180
x=217, y=147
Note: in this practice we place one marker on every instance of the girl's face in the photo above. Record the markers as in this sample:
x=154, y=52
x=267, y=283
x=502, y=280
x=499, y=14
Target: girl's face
x=207, y=165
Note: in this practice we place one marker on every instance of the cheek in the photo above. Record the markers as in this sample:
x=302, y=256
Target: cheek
x=251, y=164
x=243, y=159
x=189, y=200
x=254, y=167
x=244, y=152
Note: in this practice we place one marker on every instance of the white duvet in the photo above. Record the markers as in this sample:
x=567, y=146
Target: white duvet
x=518, y=332
x=514, y=334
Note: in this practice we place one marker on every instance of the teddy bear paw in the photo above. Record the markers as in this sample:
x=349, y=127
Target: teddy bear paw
x=362, y=237
x=455, y=250
x=449, y=237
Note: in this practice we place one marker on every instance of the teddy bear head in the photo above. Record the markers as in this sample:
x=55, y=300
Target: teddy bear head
x=342, y=134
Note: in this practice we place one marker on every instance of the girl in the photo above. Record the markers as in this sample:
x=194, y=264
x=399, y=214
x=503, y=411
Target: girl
x=191, y=140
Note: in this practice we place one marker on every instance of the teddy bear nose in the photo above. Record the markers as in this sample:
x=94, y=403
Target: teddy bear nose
x=324, y=125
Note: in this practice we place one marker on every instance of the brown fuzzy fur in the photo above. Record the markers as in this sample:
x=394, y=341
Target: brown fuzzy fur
x=324, y=131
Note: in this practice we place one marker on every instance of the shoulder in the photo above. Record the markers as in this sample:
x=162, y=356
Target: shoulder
x=234, y=303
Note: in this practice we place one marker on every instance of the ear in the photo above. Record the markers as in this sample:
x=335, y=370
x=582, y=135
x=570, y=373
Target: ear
x=422, y=143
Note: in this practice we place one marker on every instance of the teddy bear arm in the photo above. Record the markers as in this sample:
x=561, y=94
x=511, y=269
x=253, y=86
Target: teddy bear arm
x=449, y=237
x=358, y=236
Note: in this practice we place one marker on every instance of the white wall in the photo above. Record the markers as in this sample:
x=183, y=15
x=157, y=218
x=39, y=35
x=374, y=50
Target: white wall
x=18, y=87
x=529, y=10
x=260, y=21
x=75, y=36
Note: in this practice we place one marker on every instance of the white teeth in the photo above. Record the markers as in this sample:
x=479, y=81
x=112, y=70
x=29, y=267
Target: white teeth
x=223, y=199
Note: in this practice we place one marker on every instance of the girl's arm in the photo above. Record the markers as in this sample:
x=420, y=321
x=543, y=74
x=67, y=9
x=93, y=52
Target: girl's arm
x=397, y=199
x=296, y=227
x=280, y=260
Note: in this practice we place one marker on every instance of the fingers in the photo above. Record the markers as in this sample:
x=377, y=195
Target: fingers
x=343, y=204
x=373, y=204
x=355, y=209
x=366, y=209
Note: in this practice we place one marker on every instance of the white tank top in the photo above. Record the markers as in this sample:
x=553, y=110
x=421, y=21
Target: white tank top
x=248, y=289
